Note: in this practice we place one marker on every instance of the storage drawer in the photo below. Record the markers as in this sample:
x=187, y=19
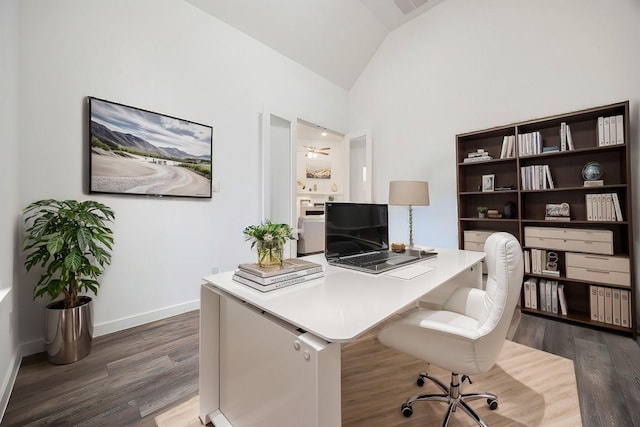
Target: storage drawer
x=474, y=241
x=593, y=247
x=476, y=236
x=600, y=276
x=570, y=239
x=474, y=246
x=585, y=234
x=598, y=262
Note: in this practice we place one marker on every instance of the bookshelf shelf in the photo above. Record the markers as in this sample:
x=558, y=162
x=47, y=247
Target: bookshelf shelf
x=565, y=166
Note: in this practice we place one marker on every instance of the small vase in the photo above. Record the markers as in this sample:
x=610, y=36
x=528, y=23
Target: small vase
x=270, y=254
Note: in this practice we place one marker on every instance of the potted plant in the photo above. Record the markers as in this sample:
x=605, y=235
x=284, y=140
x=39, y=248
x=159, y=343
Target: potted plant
x=270, y=239
x=482, y=211
x=71, y=242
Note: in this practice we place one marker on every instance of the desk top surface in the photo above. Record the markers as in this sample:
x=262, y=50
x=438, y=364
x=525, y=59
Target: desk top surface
x=344, y=303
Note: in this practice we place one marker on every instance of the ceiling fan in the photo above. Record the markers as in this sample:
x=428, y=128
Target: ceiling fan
x=312, y=151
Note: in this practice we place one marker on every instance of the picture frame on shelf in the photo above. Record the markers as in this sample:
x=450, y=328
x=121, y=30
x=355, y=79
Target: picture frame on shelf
x=488, y=183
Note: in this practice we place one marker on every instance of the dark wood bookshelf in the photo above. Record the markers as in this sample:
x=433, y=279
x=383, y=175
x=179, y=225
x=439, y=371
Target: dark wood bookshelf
x=566, y=171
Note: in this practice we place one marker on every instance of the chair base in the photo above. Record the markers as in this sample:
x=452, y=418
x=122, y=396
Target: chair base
x=452, y=396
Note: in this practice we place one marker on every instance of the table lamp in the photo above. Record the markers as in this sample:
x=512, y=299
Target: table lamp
x=409, y=193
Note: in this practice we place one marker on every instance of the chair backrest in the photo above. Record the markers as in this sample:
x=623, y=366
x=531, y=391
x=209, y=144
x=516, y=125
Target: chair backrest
x=505, y=270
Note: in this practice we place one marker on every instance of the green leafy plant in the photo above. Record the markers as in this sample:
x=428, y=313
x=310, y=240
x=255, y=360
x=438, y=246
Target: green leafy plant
x=268, y=232
x=482, y=209
x=71, y=241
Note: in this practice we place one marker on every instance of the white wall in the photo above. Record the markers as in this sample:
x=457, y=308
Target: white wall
x=169, y=57
x=9, y=213
x=468, y=66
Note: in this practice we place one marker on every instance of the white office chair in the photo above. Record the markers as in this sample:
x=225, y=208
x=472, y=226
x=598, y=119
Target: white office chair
x=466, y=336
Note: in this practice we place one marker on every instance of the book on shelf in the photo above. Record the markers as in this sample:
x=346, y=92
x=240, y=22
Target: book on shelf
x=569, y=139
x=557, y=218
x=554, y=273
x=563, y=136
x=593, y=183
x=290, y=268
x=277, y=285
x=507, y=150
x=477, y=159
x=554, y=296
x=536, y=177
x=562, y=300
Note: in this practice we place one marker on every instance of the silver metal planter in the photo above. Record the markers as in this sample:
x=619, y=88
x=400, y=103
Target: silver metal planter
x=68, y=331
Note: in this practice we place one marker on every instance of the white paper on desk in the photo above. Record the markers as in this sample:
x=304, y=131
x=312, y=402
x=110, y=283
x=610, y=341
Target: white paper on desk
x=410, y=272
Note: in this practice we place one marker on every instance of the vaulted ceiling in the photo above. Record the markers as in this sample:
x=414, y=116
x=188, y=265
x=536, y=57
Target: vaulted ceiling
x=334, y=38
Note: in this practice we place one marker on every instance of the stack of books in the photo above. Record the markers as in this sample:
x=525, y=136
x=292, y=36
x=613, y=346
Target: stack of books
x=478, y=156
x=291, y=272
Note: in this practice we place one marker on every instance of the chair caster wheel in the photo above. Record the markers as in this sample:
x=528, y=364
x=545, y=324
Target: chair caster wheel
x=493, y=404
x=420, y=381
x=407, y=410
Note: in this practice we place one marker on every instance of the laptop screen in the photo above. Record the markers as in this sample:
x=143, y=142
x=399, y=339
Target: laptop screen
x=354, y=228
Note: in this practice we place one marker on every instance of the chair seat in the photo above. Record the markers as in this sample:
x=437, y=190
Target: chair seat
x=426, y=318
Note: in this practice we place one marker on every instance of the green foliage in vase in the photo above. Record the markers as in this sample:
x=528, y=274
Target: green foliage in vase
x=71, y=241
x=268, y=232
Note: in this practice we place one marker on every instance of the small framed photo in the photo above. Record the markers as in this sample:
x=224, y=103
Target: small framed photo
x=488, y=182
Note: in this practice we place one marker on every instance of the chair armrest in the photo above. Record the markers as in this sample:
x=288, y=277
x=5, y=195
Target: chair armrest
x=467, y=301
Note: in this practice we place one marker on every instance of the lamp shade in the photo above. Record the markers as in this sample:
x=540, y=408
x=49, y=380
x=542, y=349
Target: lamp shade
x=409, y=193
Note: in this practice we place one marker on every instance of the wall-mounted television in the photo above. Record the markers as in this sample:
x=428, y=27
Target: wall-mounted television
x=135, y=151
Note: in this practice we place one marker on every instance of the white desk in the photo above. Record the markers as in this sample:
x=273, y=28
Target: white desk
x=274, y=358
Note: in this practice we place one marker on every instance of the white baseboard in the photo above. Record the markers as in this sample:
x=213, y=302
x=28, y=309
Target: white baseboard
x=141, y=319
x=8, y=382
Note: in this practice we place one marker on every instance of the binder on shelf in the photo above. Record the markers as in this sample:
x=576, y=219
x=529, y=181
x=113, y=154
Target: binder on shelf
x=587, y=203
x=563, y=136
x=534, y=293
x=554, y=296
x=593, y=302
x=625, y=319
x=608, y=306
x=600, y=131
x=615, y=296
x=607, y=135
x=543, y=294
x=620, y=129
x=548, y=296
x=612, y=131
x=600, y=304
x=527, y=293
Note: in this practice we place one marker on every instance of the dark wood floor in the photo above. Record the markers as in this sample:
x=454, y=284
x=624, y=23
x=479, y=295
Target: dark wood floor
x=128, y=378
x=133, y=375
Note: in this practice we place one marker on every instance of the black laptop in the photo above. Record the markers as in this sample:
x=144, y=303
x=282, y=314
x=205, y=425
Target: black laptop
x=357, y=237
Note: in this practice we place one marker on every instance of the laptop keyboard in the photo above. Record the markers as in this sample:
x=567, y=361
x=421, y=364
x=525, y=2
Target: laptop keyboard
x=367, y=259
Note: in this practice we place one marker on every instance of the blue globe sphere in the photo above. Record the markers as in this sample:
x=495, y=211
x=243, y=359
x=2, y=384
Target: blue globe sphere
x=592, y=171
